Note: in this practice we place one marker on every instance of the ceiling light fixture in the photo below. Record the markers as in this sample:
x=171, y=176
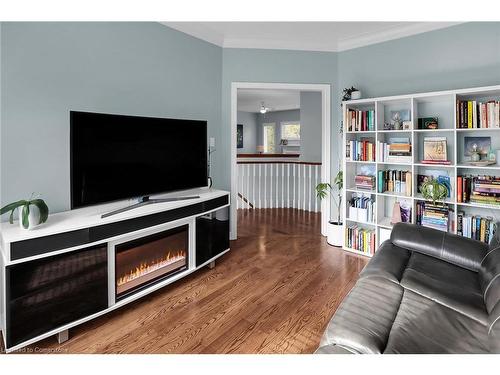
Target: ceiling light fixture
x=263, y=109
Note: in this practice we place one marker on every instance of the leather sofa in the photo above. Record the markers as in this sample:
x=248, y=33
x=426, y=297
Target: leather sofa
x=424, y=291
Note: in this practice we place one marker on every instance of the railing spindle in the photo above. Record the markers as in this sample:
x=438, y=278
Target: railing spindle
x=265, y=185
x=304, y=182
x=309, y=188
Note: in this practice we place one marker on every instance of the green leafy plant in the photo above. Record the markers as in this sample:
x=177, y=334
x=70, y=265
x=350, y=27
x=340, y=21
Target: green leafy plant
x=25, y=211
x=434, y=191
x=323, y=188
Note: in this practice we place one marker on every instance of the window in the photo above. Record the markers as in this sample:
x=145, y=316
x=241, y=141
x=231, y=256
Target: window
x=290, y=131
x=269, y=137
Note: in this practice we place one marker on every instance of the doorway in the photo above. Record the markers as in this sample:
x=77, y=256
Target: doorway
x=281, y=137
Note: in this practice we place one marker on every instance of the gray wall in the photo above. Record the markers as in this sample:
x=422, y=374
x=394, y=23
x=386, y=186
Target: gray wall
x=310, y=126
x=147, y=69
x=277, y=117
x=48, y=69
x=461, y=56
x=258, y=65
x=250, y=131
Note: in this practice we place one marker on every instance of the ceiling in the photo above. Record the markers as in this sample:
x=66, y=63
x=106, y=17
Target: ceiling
x=309, y=36
x=250, y=100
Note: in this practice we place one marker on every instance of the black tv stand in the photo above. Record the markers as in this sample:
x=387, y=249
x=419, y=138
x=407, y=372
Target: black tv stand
x=144, y=201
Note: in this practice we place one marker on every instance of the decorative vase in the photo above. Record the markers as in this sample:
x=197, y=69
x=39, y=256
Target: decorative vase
x=356, y=95
x=33, y=217
x=335, y=233
x=396, y=213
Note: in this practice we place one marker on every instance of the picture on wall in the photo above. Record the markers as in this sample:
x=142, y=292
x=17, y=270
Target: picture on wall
x=239, y=136
x=483, y=145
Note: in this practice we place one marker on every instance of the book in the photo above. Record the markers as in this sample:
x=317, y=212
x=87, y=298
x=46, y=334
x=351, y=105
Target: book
x=478, y=189
x=360, y=120
x=395, y=181
x=474, y=114
x=421, y=179
x=444, y=162
x=445, y=180
x=435, y=149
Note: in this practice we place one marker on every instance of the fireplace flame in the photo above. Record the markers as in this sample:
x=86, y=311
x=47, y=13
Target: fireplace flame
x=145, y=268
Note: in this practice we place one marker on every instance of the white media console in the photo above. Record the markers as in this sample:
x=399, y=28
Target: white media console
x=78, y=266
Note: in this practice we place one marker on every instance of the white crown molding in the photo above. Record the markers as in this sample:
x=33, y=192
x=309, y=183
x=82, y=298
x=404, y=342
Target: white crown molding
x=201, y=31
x=198, y=30
x=280, y=44
x=391, y=34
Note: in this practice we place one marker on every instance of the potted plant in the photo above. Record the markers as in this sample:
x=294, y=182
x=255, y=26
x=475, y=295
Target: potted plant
x=335, y=232
x=434, y=191
x=32, y=212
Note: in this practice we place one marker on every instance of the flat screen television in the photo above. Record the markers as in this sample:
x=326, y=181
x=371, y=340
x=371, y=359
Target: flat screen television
x=115, y=157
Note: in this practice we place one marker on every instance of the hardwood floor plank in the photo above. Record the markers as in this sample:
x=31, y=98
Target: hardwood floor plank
x=274, y=292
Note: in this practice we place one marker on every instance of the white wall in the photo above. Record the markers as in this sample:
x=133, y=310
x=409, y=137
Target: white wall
x=250, y=126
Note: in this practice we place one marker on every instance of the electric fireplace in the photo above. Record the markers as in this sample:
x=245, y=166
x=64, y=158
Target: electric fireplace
x=147, y=260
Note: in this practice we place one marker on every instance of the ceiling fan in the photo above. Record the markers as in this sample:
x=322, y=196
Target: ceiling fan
x=263, y=109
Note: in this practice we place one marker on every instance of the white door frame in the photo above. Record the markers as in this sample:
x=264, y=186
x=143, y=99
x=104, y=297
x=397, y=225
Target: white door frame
x=325, y=141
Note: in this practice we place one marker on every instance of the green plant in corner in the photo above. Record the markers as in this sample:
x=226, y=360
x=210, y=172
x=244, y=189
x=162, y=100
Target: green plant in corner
x=323, y=188
x=434, y=191
x=24, y=208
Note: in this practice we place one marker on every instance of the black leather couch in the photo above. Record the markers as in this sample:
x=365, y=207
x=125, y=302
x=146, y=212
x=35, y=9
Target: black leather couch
x=424, y=291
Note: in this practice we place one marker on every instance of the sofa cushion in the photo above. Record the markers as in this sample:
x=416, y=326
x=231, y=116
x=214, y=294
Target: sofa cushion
x=388, y=262
x=425, y=326
x=447, y=284
x=364, y=319
x=451, y=248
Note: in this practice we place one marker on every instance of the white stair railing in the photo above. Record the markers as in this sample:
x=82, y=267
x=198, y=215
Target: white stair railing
x=278, y=184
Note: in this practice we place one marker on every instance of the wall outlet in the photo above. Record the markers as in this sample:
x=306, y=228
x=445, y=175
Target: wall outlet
x=212, y=142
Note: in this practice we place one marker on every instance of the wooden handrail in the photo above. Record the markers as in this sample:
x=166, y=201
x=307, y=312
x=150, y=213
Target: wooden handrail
x=279, y=162
x=268, y=155
x=245, y=200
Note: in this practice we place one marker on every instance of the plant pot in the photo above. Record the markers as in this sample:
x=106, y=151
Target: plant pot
x=335, y=233
x=33, y=218
x=356, y=95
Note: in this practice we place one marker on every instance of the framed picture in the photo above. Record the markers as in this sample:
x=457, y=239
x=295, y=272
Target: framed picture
x=239, y=136
x=435, y=149
x=407, y=125
x=401, y=115
x=483, y=145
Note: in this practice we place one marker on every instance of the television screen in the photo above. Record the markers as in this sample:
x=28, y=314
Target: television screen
x=117, y=157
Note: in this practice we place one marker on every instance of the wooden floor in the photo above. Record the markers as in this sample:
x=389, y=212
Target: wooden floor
x=274, y=292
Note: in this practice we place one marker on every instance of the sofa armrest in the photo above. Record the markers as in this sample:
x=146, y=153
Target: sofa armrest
x=457, y=250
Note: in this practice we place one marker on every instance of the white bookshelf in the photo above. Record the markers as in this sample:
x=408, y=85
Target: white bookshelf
x=440, y=104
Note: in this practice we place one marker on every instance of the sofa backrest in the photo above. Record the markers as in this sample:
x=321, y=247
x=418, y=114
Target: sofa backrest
x=451, y=248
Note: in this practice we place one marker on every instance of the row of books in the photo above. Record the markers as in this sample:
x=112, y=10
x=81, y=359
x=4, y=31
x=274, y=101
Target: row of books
x=434, y=216
x=362, y=150
x=476, y=227
x=472, y=114
x=398, y=150
x=478, y=189
x=395, y=181
x=360, y=120
x=364, y=182
x=360, y=239
x=362, y=208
